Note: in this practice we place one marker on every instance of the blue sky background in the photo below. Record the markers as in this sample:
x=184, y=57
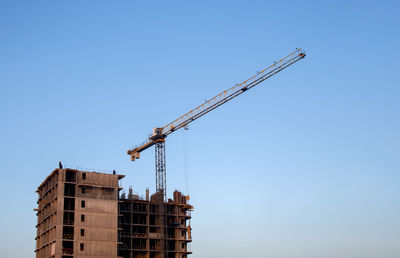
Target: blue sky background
x=306, y=165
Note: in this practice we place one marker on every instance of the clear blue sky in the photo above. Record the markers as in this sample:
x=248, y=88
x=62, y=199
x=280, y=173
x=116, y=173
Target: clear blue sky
x=304, y=166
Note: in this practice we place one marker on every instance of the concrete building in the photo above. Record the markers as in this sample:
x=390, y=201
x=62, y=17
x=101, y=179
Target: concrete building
x=77, y=215
x=80, y=214
x=150, y=228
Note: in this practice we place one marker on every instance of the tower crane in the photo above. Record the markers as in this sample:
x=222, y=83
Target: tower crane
x=159, y=134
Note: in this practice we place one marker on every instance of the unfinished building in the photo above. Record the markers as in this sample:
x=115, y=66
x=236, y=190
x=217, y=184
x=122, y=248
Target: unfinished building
x=80, y=214
x=153, y=230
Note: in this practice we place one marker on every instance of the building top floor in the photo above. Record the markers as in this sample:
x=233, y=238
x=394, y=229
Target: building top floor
x=83, y=178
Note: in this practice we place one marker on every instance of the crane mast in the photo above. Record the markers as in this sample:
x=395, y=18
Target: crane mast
x=159, y=134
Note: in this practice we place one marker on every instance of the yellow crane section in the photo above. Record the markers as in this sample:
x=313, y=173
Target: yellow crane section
x=160, y=133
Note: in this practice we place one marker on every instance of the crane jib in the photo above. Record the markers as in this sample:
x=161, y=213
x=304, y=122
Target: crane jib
x=209, y=105
x=159, y=134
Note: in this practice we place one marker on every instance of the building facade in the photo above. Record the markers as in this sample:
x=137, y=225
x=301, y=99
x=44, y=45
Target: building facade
x=78, y=215
x=81, y=214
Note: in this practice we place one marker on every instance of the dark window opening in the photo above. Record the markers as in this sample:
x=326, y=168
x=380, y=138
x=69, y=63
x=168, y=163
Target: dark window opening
x=83, y=204
x=83, y=176
x=69, y=204
x=152, y=219
x=68, y=218
x=82, y=218
x=139, y=231
x=171, y=233
x=70, y=176
x=171, y=245
x=82, y=247
x=170, y=209
x=69, y=190
x=153, y=244
x=83, y=190
x=68, y=232
x=68, y=247
x=138, y=243
x=154, y=209
x=82, y=232
x=126, y=219
x=139, y=219
x=141, y=207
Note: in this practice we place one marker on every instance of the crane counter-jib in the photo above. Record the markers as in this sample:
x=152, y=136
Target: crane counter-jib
x=135, y=152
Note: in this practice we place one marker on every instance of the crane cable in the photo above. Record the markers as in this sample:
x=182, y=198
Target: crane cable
x=185, y=151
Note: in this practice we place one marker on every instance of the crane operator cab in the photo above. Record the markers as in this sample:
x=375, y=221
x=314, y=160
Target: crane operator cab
x=157, y=133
